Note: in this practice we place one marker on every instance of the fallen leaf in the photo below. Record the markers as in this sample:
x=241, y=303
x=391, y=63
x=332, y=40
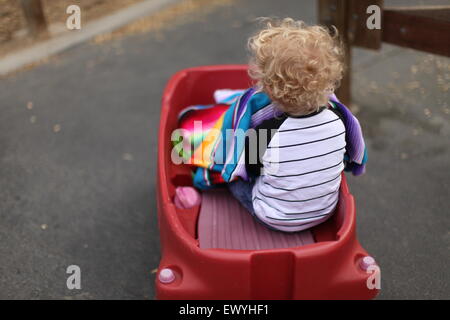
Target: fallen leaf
x=127, y=157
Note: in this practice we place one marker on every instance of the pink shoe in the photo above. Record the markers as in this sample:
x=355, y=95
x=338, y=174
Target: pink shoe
x=186, y=197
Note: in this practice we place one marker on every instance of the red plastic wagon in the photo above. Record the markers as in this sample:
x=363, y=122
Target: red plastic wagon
x=217, y=251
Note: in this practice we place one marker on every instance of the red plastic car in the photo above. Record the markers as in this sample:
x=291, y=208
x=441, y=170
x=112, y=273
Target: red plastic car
x=215, y=250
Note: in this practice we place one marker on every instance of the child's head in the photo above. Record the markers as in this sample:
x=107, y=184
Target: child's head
x=298, y=65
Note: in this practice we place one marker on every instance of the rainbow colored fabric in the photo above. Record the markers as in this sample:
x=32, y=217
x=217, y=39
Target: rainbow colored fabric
x=220, y=158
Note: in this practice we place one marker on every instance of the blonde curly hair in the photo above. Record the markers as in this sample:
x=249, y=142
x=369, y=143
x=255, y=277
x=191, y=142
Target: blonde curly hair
x=297, y=65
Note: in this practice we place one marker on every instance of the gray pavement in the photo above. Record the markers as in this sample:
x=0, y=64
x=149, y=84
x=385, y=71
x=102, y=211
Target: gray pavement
x=77, y=170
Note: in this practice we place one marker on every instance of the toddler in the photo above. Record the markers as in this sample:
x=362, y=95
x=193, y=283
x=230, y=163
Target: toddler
x=294, y=182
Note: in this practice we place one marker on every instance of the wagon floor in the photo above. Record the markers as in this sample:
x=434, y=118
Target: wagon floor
x=224, y=223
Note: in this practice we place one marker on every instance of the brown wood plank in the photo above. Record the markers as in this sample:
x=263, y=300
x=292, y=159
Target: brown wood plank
x=327, y=12
x=335, y=13
x=434, y=12
x=405, y=28
x=358, y=33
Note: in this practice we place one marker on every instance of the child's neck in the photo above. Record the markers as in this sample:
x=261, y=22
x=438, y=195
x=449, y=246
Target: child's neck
x=305, y=114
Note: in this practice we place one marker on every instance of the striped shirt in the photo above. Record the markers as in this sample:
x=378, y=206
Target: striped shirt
x=298, y=186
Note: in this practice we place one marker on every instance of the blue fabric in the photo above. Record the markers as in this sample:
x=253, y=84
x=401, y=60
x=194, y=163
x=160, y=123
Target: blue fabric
x=242, y=191
x=241, y=120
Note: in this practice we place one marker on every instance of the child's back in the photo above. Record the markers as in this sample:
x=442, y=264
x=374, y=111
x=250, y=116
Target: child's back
x=302, y=166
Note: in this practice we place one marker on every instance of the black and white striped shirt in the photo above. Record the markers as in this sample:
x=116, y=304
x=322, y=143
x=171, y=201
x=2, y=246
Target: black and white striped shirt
x=301, y=170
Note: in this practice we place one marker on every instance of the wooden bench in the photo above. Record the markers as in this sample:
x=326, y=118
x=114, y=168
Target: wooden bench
x=424, y=28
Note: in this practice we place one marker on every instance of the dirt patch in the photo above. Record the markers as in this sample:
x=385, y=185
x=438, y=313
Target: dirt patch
x=11, y=19
x=172, y=16
x=55, y=11
x=13, y=25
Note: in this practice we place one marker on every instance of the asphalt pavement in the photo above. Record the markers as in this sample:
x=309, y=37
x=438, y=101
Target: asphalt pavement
x=78, y=144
